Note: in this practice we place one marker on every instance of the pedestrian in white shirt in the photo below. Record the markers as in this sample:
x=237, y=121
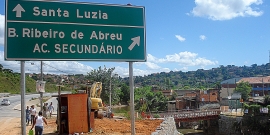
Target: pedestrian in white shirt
x=38, y=123
x=51, y=109
x=33, y=113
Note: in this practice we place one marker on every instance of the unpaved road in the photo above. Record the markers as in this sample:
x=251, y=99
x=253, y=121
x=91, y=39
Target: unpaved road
x=12, y=126
x=105, y=126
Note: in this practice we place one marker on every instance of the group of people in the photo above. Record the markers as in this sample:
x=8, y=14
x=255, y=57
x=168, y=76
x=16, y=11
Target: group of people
x=37, y=121
x=48, y=110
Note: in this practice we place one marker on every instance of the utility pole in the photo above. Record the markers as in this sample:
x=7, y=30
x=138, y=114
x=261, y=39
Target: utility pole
x=110, y=91
x=262, y=86
x=228, y=88
x=41, y=79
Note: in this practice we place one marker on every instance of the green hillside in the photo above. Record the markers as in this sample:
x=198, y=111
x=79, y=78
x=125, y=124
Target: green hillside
x=10, y=83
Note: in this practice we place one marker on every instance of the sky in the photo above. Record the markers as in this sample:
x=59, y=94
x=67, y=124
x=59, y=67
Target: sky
x=181, y=35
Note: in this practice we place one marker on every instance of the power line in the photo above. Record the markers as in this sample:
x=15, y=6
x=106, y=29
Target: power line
x=55, y=68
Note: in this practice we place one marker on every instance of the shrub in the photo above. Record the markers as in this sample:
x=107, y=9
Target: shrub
x=156, y=116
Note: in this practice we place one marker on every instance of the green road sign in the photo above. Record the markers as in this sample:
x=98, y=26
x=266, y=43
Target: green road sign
x=44, y=30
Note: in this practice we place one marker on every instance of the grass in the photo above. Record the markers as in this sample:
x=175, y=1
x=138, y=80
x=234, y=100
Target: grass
x=120, y=114
x=10, y=83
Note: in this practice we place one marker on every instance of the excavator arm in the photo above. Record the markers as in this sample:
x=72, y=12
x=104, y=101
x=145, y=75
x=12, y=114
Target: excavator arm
x=96, y=105
x=96, y=90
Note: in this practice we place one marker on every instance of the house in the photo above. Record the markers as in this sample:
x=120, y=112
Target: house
x=228, y=87
x=195, y=99
x=260, y=85
x=234, y=101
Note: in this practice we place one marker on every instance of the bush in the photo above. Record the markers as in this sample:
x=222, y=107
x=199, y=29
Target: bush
x=28, y=90
x=156, y=116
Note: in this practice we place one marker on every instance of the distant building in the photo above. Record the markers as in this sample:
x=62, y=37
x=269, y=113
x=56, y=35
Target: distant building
x=167, y=93
x=194, y=99
x=227, y=87
x=260, y=85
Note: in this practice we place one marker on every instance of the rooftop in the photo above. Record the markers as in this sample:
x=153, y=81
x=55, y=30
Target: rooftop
x=255, y=80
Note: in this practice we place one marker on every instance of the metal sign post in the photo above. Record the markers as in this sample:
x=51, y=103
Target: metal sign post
x=41, y=92
x=23, y=116
x=131, y=86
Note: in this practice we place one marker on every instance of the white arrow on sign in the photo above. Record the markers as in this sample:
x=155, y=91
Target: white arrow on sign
x=18, y=9
x=136, y=40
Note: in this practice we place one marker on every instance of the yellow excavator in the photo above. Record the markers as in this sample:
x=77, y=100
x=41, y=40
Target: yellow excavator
x=96, y=105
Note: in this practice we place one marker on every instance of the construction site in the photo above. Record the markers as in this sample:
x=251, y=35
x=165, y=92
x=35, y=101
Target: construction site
x=84, y=112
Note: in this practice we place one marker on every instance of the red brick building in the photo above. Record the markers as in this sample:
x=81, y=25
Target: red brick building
x=192, y=99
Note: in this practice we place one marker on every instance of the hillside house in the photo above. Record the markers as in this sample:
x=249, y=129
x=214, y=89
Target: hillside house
x=260, y=86
x=195, y=99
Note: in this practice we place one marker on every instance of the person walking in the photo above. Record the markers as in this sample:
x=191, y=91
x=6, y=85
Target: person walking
x=33, y=113
x=51, y=109
x=45, y=108
x=39, y=124
x=27, y=114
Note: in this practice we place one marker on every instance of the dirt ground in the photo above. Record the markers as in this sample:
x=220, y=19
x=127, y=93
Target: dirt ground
x=105, y=126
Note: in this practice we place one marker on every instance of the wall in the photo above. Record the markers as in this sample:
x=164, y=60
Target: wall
x=190, y=94
x=226, y=125
x=171, y=106
x=225, y=92
x=212, y=98
x=180, y=104
x=167, y=127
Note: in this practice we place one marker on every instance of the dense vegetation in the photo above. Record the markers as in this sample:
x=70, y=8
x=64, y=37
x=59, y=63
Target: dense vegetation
x=244, y=88
x=201, y=79
x=144, y=98
x=255, y=122
x=10, y=83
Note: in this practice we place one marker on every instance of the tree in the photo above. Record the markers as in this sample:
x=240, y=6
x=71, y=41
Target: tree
x=174, y=95
x=266, y=100
x=106, y=76
x=244, y=88
x=1, y=67
x=145, y=99
x=125, y=93
x=186, y=87
x=168, y=83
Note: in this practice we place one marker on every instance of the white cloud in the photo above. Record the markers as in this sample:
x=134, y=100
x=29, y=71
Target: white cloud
x=165, y=70
x=187, y=59
x=51, y=67
x=2, y=29
x=152, y=65
x=72, y=67
x=180, y=38
x=151, y=58
x=66, y=67
x=202, y=37
x=124, y=72
x=181, y=61
x=226, y=9
x=184, y=69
